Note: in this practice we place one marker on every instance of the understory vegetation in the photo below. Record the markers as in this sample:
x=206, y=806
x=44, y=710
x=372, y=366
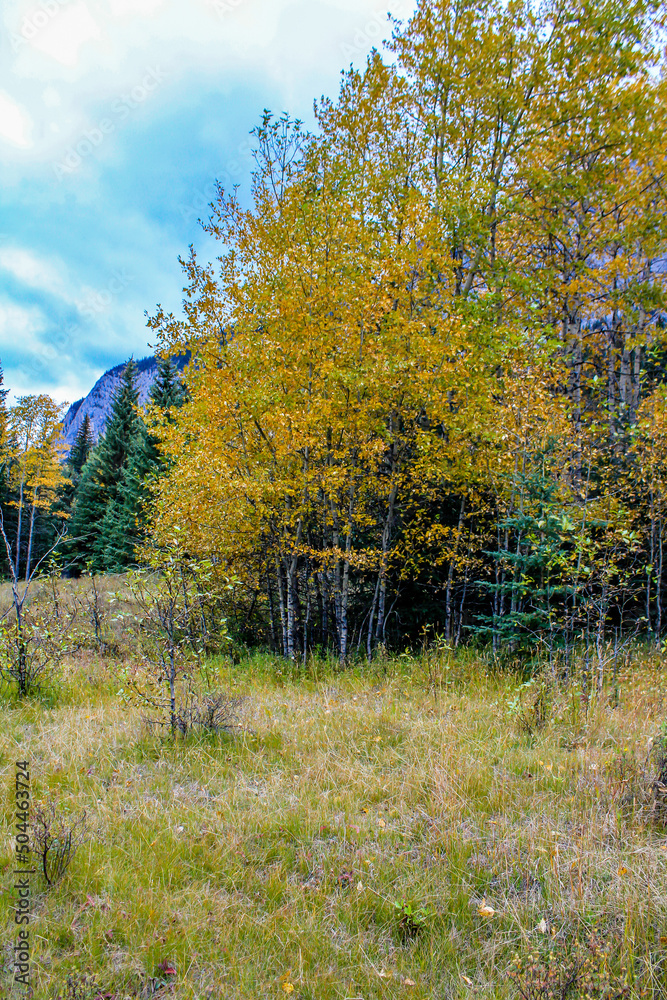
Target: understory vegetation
x=427, y=826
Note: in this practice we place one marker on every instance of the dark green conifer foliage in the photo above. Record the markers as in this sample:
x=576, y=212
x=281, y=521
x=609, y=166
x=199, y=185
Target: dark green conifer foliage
x=81, y=448
x=90, y=500
x=101, y=486
x=123, y=525
x=124, y=425
x=4, y=463
x=167, y=390
x=108, y=520
x=76, y=460
x=126, y=515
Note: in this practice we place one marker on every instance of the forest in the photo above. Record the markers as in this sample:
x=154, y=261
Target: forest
x=427, y=389
x=338, y=667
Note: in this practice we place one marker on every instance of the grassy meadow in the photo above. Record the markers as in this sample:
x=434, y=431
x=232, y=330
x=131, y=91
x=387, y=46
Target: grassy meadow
x=425, y=827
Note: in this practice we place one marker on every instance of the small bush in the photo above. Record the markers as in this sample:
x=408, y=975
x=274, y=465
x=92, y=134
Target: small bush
x=33, y=645
x=568, y=971
x=411, y=920
x=81, y=987
x=55, y=841
x=209, y=715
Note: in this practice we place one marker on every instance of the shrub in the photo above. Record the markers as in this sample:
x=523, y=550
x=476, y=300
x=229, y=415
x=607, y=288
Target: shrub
x=55, y=841
x=32, y=644
x=210, y=715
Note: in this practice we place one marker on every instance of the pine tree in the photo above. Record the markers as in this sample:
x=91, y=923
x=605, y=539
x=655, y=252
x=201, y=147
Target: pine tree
x=126, y=515
x=4, y=462
x=112, y=489
x=124, y=425
x=123, y=525
x=81, y=448
x=89, y=506
x=102, y=483
x=167, y=391
x=74, y=465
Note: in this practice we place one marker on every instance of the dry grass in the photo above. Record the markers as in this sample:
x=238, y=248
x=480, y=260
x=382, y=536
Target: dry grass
x=280, y=861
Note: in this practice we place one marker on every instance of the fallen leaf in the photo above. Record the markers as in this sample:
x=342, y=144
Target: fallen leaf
x=381, y=823
x=408, y=982
x=485, y=910
x=663, y=941
x=467, y=981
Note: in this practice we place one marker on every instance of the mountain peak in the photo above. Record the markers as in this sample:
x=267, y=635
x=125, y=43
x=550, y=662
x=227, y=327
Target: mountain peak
x=97, y=404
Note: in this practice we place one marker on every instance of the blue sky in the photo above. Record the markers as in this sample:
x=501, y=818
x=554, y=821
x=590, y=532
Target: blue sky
x=116, y=117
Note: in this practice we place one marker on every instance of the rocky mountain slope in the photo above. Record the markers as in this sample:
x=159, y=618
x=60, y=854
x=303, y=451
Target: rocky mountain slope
x=97, y=404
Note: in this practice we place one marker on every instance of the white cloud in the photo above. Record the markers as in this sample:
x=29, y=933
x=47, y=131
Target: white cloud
x=34, y=271
x=67, y=31
x=134, y=7
x=15, y=122
x=20, y=325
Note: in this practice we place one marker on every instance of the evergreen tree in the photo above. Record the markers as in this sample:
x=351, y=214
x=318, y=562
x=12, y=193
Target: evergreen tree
x=4, y=465
x=112, y=487
x=89, y=505
x=81, y=448
x=62, y=508
x=123, y=525
x=126, y=515
x=124, y=425
x=167, y=391
x=102, y=483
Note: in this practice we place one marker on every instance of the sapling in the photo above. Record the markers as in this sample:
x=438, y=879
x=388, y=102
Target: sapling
x=172, y=625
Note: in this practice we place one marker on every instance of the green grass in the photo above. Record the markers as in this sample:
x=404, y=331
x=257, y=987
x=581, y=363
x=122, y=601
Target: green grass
x=282, y=861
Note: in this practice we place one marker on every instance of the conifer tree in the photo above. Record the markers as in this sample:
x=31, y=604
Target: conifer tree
x=123, y=525
x=81, y=448
x=167, y=391
x=113, y=488
x=102, y=476
x=126, y=515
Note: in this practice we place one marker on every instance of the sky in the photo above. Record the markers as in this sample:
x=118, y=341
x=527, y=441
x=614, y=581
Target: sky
x=116, y=119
